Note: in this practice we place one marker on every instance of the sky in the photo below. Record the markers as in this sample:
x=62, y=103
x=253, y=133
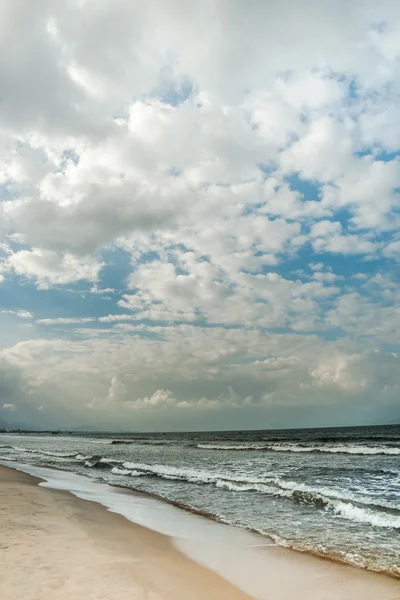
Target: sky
x=199, y=213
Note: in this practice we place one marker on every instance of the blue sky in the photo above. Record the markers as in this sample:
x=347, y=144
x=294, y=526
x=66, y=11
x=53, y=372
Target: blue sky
x=200, y=237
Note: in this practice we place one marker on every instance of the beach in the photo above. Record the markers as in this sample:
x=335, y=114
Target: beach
x=55, y=545
x=328, y=493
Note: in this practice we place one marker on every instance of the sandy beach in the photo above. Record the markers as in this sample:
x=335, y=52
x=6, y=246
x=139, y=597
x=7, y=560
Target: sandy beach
x=54, y=545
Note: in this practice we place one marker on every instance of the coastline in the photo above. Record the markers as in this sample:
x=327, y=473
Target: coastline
x=311, y=510
x=192, y=558
x=267, y=538
x=59, y=546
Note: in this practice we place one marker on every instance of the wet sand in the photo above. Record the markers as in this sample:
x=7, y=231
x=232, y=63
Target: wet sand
x=56, y=546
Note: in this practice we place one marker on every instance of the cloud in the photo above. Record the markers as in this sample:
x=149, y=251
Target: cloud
x=322, y=153
x=49, y=268
x=392, y=250
x=356, y=313
x=231, y=201
x=201, y=369
x=22, y=314
x=160, y=398
x=356, y=373
x=66, y=320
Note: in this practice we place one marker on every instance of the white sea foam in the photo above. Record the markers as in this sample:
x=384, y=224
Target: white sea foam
x=338, y=449
x=233, y=446
x=45, y=452
x=82, y=457
x=341, y=503
x=118, y=471
x=303, y=447
x=364, y=515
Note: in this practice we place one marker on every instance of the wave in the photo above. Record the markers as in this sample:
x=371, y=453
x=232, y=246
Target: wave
x=371, y=562
x=118, y=471
x=341, y=503
x=147, y=442
x=115, y=442
x=233, y=446
x=295, y=447
x=100, y=462
x=348, y=506
x=362, y=515
x=343, y=556
x=341, y=449
x=360, y=471
x=288, y=447
x=45, y=452
x=52, y=454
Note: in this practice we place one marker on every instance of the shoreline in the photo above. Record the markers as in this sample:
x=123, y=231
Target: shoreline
x=63, y=547
x=267, y=537
x=236, y=557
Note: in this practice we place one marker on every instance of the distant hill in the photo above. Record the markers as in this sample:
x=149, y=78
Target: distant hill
x=16, y=425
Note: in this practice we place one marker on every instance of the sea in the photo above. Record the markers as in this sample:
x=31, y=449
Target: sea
x=333, y=492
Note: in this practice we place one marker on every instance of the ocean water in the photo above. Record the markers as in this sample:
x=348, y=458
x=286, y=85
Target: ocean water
x=333, y=492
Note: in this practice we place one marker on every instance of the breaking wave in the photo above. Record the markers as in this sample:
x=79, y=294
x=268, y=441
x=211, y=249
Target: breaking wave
x=358, y=508
x=39, y=452
x=347, y=506
x=46, y=453
x=298, y=447
x=116, y=442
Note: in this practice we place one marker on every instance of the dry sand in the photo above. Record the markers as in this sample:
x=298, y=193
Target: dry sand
x=56, y=546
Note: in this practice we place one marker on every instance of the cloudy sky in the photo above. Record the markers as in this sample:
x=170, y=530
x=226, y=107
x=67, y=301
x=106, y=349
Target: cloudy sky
x=199, y=213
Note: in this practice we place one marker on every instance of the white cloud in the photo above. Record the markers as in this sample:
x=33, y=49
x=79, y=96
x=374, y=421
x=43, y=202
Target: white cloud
x=197, y=368
x=22, y=314
x=392, y=250
x=345, y=244
x=160, y=398
x=356, y=313
x=325, y=229
x=237, y=176
x=357, y=373
x=369, y=190
x=49, y=268
x=113, y=318
x=66, y=320
x=323, y=153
